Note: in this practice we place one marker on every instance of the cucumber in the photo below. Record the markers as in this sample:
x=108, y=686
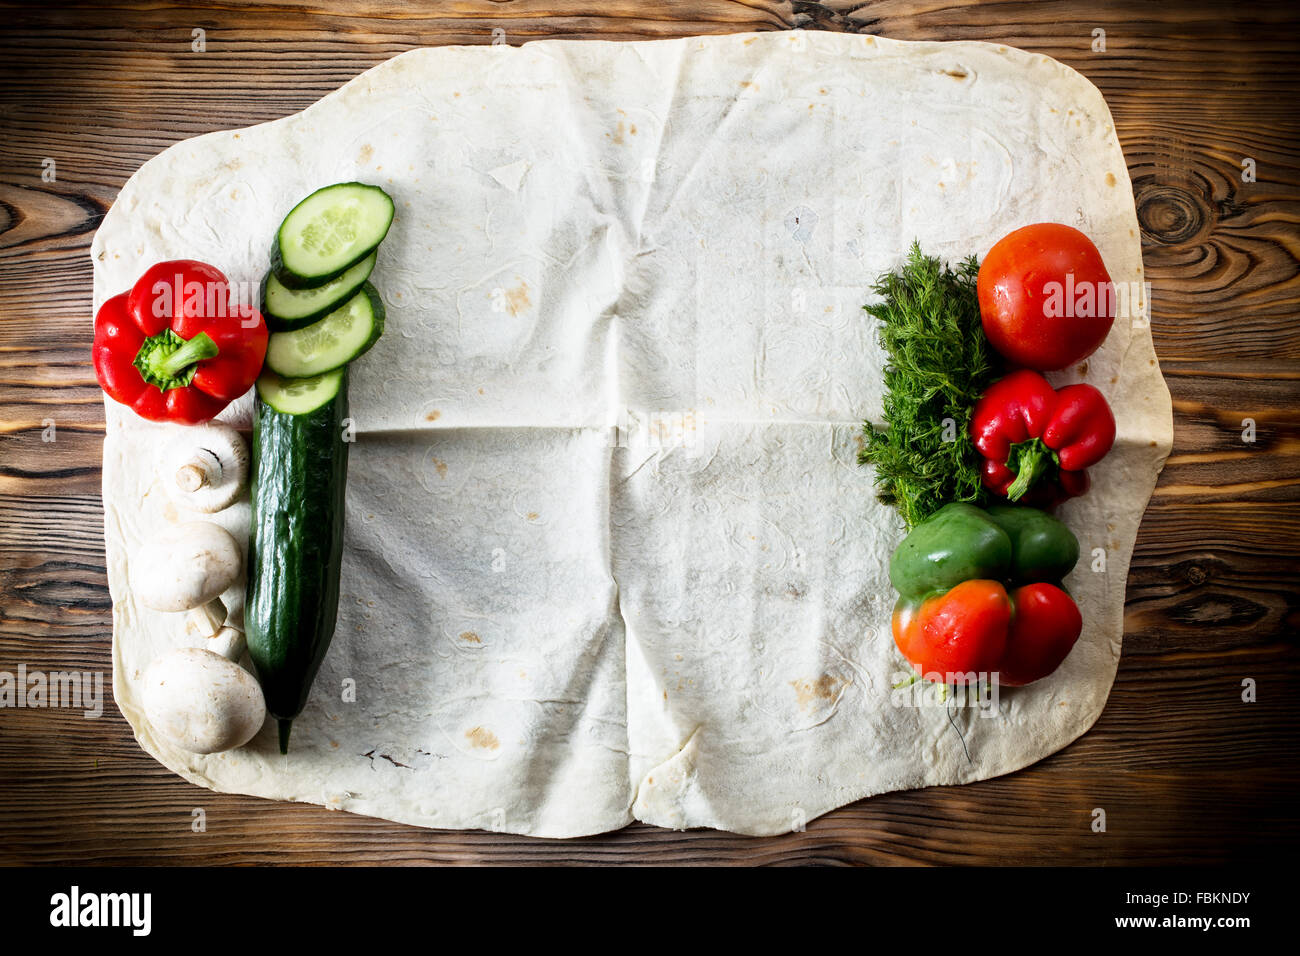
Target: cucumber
x=297, y=396
x=329, y=232
x=295, y=551
x=331, y=342
x=286, y=309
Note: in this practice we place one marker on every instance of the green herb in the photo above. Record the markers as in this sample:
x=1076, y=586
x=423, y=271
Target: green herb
x=939, y=364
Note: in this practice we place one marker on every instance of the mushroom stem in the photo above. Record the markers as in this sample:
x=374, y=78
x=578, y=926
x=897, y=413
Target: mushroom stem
x=204, y=469
x=209, y=617
x=229, y=642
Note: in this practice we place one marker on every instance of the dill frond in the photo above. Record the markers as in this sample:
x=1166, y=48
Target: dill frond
x=939, y=364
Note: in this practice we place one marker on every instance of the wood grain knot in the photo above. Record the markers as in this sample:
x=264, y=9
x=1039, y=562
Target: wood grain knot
x=810, y=15
x=37, y=216
x=1197, y=574
x=1218, y=610
x=1170, y=214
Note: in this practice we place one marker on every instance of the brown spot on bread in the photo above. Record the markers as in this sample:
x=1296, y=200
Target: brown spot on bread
x=470, y=637
x=808, y=692
x=517, y=298
x=482, y=738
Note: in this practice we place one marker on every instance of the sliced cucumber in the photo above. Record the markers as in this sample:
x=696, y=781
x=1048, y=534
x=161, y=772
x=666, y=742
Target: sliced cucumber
x=330, y=342
x=329, y=232
x=298, y=396
x=287, y=309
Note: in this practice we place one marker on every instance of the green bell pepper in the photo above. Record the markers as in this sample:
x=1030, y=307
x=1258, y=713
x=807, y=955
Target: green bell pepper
x=961, y=542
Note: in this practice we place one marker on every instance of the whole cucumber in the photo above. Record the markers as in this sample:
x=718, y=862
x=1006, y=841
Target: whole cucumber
x=299, y=476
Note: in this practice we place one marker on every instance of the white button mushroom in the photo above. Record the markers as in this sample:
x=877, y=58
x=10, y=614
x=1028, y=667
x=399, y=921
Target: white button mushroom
x=186, y=569
x=205, y=468
x=201, y=702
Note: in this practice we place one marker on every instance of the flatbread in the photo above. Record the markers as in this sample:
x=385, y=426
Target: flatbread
x=610, y=556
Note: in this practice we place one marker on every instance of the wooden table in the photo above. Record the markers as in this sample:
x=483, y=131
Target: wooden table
x=1185, y=769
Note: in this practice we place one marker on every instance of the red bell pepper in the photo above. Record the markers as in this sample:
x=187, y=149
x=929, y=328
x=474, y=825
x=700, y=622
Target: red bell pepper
x=980, y=627
x=1036, y=441
x=175, y=348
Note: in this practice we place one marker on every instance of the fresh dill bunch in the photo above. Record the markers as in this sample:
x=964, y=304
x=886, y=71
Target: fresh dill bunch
x=939, y=364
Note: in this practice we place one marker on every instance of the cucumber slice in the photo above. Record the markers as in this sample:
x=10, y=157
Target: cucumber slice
x=329, y=232
x=286, y=309
x=298, y=396
x=330, y=342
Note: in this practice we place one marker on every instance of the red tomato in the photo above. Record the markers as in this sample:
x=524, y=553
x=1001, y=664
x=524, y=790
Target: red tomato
x=1046, y=625
x=1046, y=299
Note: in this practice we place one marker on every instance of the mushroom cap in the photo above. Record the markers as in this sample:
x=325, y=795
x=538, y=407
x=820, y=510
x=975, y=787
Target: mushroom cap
x=199, y=701
x=185, y=566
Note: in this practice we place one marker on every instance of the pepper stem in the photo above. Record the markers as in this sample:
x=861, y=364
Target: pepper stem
x=171, y=364
x=1029, y=459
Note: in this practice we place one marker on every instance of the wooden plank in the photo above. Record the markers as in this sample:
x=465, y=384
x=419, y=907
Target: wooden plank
x=104, y=815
